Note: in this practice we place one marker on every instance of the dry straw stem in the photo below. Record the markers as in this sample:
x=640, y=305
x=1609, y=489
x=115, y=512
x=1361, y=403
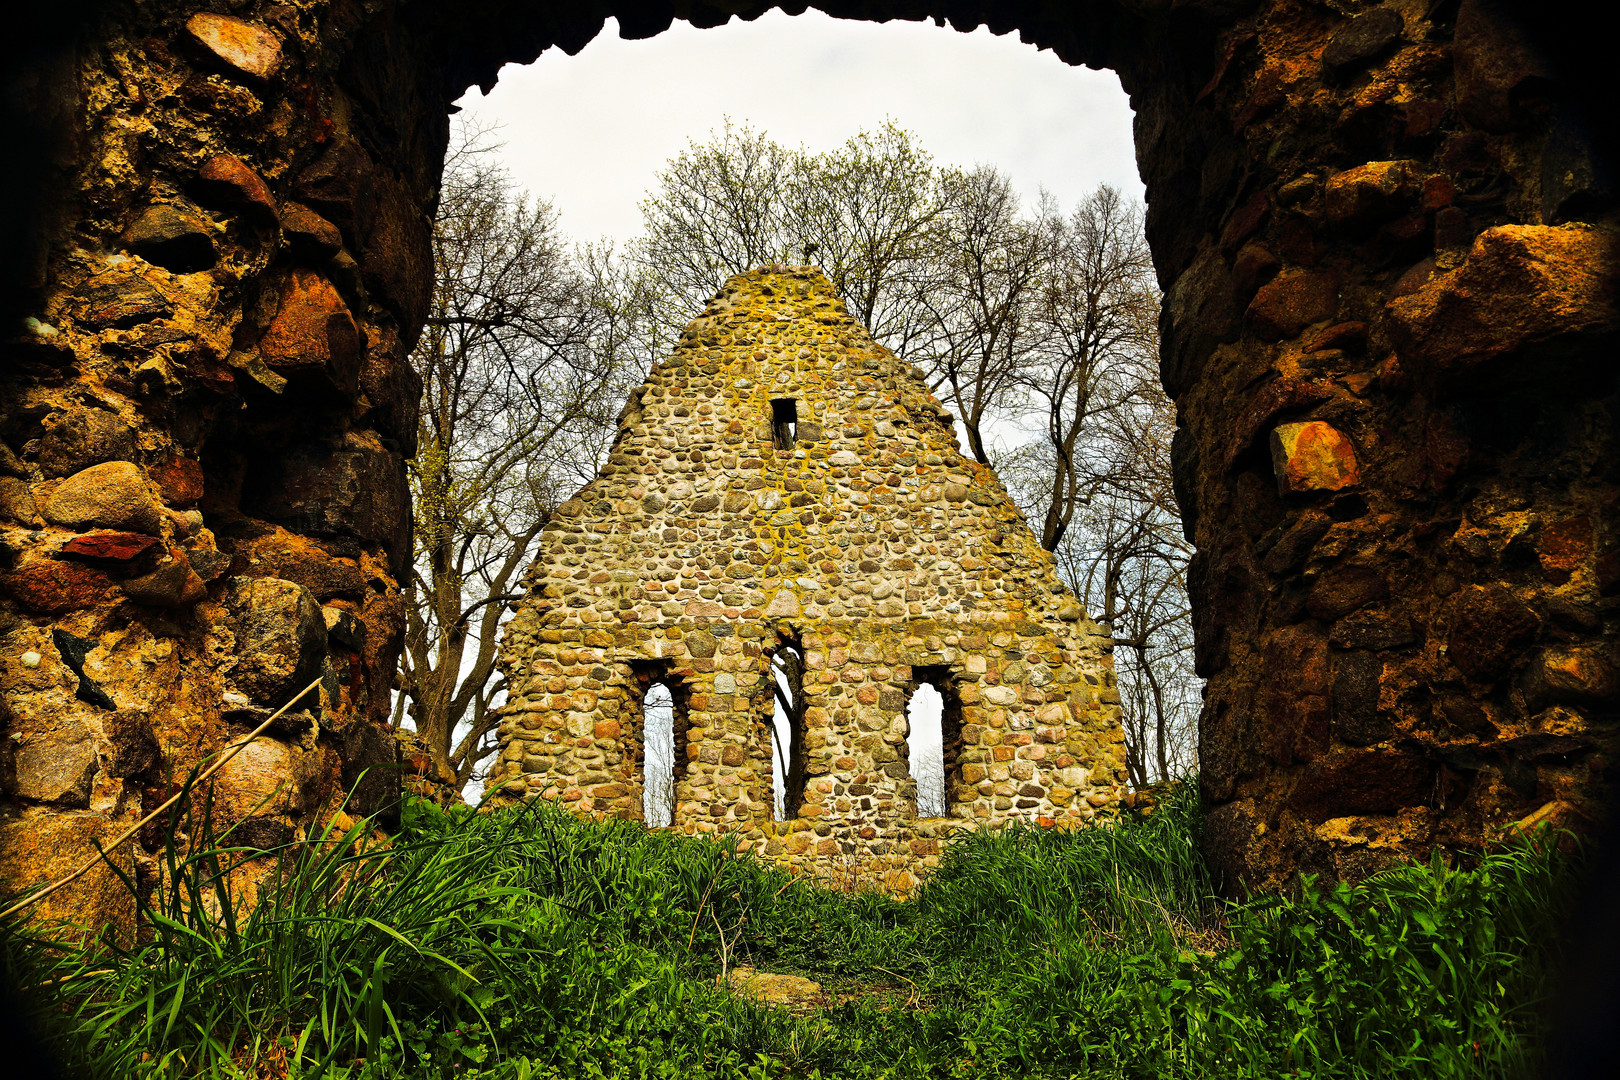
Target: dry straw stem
x=100, y=854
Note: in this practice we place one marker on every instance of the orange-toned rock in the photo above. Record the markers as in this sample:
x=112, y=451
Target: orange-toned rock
x=1368, y=194
x=767, y=988
x=1345, y=589
x=55, y=586
x=309, y=233
x=17, y=501
x=1520, y=285
x=112, y=547
x=1290, y=302
x=173, y=584
x=56, y=765
x=278, y=553
x=1584, y=675
x=313, y=332
x=228, y=179
x=37, y=849
x=179, y=479
x=251, y=50
x=1313, y=456
x=1563, y=546
x=267, y=776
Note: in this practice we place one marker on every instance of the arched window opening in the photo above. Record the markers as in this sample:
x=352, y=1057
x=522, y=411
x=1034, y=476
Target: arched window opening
x=657, y=737
x=787, y=729
x=924, y=712
x=934, y=740
x=658, y=764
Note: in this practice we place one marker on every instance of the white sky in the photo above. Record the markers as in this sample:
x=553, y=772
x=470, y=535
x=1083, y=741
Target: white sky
x=591, y=131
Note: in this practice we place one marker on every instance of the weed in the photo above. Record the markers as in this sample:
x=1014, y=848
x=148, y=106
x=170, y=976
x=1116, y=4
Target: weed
x=527, y=943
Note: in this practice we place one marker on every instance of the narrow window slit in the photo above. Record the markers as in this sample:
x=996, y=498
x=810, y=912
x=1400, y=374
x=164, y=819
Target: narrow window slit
x=787, y=729
x=658, y=764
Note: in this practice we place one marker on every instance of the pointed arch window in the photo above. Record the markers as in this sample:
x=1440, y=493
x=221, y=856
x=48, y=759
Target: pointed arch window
x=934, y=740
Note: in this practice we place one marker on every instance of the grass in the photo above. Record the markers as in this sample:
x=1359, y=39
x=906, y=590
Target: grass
x=526, y=943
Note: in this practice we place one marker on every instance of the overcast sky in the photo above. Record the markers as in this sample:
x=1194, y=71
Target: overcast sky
x=591, y=131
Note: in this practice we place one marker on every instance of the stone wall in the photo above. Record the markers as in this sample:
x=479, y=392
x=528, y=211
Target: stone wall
x=203, y=427
x=1385, y=234
x=871, y=543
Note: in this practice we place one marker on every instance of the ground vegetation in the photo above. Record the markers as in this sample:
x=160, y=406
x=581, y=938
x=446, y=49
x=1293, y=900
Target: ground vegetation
x=531, y=943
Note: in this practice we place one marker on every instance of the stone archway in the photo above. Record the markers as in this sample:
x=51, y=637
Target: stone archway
x=1384, y=236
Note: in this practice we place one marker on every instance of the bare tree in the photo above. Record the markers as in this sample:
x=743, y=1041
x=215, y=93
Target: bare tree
x=981, y=293
x=868, y=213
x=718, y=209
x=1098, y=307
x=518, y=363
x=1127, y=558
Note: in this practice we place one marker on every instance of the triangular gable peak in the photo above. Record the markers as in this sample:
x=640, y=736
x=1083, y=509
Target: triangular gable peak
x=783, y=482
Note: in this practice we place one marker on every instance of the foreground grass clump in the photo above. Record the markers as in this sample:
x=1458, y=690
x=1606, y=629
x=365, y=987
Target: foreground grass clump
x=527, y=943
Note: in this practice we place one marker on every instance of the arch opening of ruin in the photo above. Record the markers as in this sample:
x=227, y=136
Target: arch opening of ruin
x=1379, y=229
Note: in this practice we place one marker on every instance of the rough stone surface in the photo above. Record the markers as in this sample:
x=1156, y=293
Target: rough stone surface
x=115, y=549
x=1362, y=39
x=251, y=50
x=114, y=495
x=172, y=584
x=1291, y=302
x=310, y=234
x=56, y=767
x=40, y=845
x=1312, y=456
x=771, y=988
x=313, y=332
x=1520, y=286
x=167, y=237
x=17, y=501
x=76, y=440
x=701, y=548
x=280, y=638
x=232, y=182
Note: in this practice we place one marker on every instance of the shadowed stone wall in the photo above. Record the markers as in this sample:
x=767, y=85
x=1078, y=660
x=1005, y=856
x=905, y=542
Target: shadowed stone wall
x=705, y=544
x=1386, y=238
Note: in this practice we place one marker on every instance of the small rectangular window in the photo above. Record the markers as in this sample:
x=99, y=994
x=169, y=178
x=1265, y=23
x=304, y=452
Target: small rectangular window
x=784, y=422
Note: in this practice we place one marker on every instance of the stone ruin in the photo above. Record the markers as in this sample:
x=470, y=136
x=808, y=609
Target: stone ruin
x=1386, y=234
x=782, y=484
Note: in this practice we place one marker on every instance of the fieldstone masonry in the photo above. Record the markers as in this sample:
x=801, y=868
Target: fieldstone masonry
x=706, y=543
x=1386, y=237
